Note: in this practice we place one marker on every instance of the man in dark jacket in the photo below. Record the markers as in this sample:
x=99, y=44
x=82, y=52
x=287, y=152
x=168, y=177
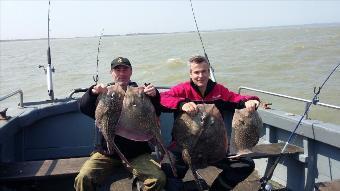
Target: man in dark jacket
x=183, y=98
x=100, y=166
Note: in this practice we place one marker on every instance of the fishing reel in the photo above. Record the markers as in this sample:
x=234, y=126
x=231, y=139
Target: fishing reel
x=265, y=185
x=45, y=70
x=268, y=187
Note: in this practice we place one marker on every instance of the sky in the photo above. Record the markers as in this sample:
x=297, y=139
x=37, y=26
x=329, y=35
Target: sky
x=28, y=19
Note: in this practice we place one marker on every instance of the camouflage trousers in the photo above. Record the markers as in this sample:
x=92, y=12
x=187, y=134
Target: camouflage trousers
x=99, y=167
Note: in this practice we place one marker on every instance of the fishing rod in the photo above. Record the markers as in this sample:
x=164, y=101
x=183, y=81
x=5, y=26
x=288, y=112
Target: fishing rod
x=49, y=66
x=96, y=77
x=49, y=70
x=212, y=75
x=264, y=180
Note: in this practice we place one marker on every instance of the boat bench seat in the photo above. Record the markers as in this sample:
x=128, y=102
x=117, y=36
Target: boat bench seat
x=17, y=171
x=273, y=150
x=28, y=170
x=14, y=172
x=328, y=186
x=18, y=174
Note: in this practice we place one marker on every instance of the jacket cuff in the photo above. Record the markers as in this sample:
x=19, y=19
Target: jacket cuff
x=180, y=105
x=90, y=91
x=241, y=105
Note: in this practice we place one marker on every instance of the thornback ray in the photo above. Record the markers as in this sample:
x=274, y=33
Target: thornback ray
x=246, y=128
x=107, y=117
x=196, y=136
x=138, y=120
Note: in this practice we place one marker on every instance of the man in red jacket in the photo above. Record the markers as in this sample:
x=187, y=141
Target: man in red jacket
x=183, y=98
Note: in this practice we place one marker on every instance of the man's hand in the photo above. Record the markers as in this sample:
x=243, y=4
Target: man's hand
x=190, y=108
x=150, y=90
x=99, y=88
x=252, y=105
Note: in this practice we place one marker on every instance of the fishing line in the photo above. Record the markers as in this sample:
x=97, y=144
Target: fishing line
x=96, y=77
x=205, y=54
x=212, y=75
x=264, y=180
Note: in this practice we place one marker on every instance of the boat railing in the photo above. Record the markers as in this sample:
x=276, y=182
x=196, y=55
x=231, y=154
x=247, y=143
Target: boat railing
x=289, y=97
x=163, y=87
x=78, y=90
x=21, y=97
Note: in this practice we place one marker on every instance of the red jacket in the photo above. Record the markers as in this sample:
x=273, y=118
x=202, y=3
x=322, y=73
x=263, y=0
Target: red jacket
x=215, y=93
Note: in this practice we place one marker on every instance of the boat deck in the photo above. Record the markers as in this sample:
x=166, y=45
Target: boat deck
x=328, y=186
x=124, y=184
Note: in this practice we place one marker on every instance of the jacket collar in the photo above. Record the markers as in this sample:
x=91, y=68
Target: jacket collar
x=209, y=88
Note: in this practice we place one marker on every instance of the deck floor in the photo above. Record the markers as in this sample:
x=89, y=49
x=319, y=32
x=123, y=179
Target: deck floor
x=329, y=186
x=250, y=184
x=124, y=184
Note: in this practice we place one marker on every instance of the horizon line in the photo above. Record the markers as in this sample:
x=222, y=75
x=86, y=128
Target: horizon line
x=160, y=33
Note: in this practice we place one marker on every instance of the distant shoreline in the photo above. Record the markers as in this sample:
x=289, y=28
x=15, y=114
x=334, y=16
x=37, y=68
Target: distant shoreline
x=179, y=32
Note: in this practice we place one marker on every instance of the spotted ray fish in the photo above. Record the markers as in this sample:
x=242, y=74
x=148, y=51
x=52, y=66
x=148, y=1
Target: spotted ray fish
x=138, y=119
x=202, y=138
x=107, y=117
x=246, y=127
